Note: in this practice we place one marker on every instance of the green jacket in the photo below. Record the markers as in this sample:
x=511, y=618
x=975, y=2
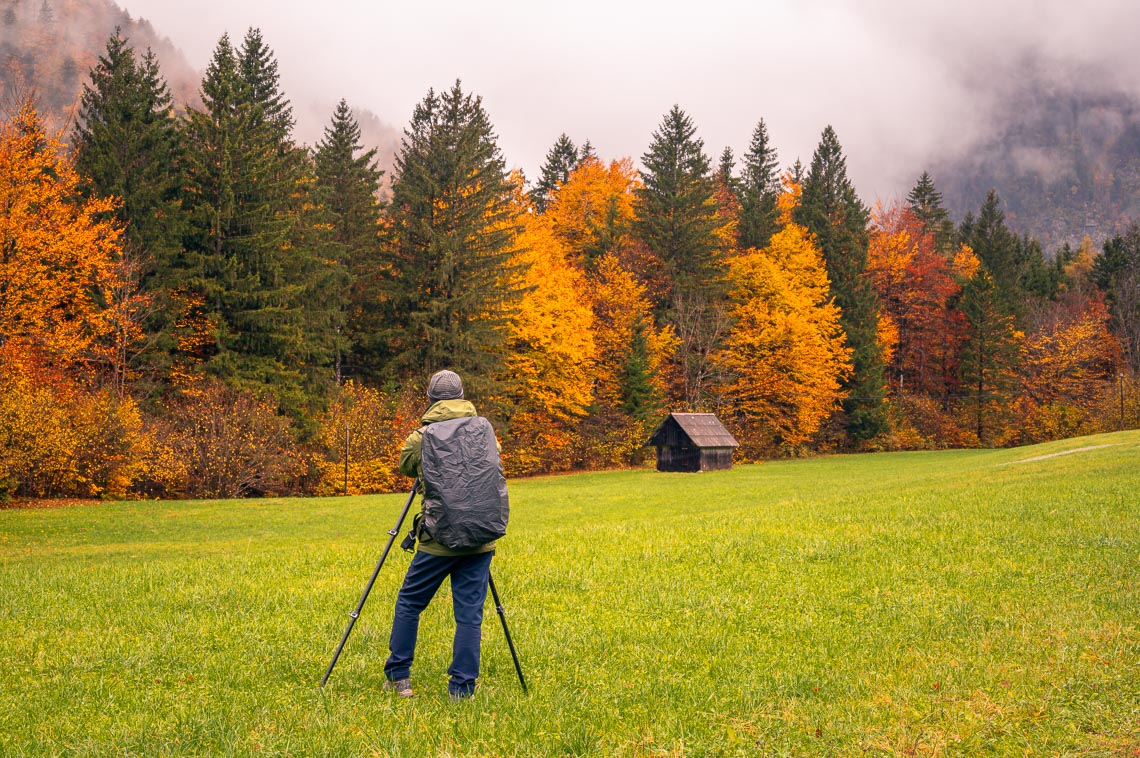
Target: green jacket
x=410, y=458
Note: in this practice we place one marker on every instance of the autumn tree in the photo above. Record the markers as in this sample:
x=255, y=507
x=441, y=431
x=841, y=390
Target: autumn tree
x=832, y=211
x=449, y=241
x=918, y=288
x=60, y=434
x=784, y=359
x=57, y=248
x=592, y=211
x=549, y=347
x=1071, y=358
x=630, y=376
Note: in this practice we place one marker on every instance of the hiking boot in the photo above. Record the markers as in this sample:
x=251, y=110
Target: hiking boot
x=459, y=697
x=403, y=687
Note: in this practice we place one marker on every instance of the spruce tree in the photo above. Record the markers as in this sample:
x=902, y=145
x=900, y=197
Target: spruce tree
x=256, y=252
x=561, y=159
x=586, y=152
x=925, y=202
x=989, y=355
x=833, y=212
x=348, y=181
x=676, y=219
x=998, y=250
x=676, y=208
x=450, y=237
x=127, y=145
x=1117, y=272
x=725, y=169
x=759, y=189
x=638, y=396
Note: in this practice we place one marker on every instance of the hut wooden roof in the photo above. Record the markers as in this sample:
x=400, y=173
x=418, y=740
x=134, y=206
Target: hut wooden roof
x=704, y=429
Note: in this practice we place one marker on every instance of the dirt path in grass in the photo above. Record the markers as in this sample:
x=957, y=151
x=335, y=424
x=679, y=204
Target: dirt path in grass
x=1063, y=452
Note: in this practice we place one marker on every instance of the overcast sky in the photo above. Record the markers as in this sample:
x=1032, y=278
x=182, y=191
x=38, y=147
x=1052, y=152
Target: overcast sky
x=901, y=81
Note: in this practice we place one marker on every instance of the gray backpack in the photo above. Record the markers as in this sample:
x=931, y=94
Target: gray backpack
x=465, y=493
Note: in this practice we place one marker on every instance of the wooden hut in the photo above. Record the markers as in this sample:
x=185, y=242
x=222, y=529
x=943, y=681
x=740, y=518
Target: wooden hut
x=693, y=442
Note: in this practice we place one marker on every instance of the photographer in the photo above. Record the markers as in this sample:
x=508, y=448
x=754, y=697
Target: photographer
x=468, y=567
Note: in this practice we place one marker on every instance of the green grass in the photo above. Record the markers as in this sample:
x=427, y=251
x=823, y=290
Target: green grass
x=963, y=602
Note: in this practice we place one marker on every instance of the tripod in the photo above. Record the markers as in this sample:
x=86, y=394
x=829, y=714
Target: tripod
x=392, y=534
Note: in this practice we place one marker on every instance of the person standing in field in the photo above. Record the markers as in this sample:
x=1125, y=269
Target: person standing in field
x=456, y=458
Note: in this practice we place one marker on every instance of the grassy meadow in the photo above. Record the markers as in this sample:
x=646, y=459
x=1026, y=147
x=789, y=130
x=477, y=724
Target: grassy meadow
x=936, y=603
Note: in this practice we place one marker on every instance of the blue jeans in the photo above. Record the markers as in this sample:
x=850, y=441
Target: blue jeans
x=469, y=574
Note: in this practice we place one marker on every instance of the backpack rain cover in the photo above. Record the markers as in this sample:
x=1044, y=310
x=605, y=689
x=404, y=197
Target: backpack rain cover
x=465, y=492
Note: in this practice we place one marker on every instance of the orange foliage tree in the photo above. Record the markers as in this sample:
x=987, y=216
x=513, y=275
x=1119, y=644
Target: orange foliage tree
x=785, y=357
x=922, y=330
x=1071, y=361
x=918, y=287
x=550, y=349
x=629, y=378
x=58, y=251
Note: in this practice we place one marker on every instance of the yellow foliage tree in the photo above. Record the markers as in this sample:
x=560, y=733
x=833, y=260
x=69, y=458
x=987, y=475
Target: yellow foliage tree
x=592, y=212
x=367, y=427
x=785, y=357
x=550, y=350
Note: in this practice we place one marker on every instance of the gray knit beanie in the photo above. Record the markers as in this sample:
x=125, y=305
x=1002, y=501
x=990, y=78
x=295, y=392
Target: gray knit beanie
x=445, y=385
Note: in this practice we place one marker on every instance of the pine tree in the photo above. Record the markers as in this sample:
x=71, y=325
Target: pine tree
x=725, y=169
x=128, y=146
x=450, y=236
x=348, y=181
x=832, y=211
x=759, y=189
x=561, y=159
x=259, y=255
x=676, y=219
x=925, y=202
x=676, y=209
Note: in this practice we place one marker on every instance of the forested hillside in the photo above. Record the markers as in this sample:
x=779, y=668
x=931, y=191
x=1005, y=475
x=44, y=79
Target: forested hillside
x=48, y=46
x=1063, y=154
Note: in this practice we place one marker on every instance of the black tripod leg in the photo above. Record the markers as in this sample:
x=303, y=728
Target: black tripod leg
x=392, y=533
x=506, y=631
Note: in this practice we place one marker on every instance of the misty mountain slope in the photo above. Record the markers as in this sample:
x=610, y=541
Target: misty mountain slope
x=1064, y=158
x=48, y=46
